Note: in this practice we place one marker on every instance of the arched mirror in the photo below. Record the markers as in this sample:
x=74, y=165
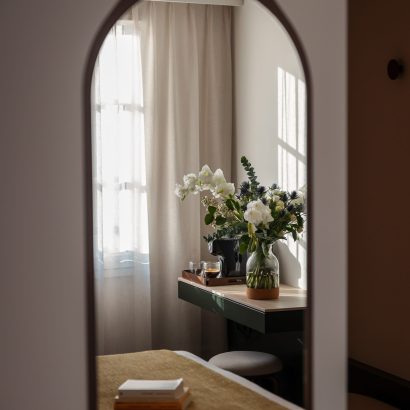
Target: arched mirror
x=200, y=170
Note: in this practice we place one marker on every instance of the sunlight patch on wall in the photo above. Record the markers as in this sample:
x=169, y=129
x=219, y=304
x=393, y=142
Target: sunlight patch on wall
x=292, y=161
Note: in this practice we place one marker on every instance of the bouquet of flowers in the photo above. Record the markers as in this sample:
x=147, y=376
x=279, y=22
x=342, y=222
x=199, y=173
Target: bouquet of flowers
x=255, y=215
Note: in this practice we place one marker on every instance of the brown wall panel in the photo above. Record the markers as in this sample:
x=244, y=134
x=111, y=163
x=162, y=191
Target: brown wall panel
x=379, y=197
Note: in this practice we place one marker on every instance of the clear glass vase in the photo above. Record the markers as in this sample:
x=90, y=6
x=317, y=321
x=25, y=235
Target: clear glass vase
x=262, y=274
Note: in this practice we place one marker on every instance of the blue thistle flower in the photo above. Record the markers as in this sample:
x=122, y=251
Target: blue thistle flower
x=284, y=197
x=244, y=188
x=260, y=190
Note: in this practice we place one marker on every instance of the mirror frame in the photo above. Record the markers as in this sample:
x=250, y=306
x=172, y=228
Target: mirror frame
x=119, y=9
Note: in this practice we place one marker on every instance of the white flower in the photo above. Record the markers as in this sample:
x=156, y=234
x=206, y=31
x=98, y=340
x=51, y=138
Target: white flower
x=224, y=189
x=279, y=205
x=180, y=191
x=218, y=177
x=253, y=216
x=257, y=213
x=205, y=176
x=191, y=183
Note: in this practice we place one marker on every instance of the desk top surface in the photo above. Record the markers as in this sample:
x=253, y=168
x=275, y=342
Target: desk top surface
x=290, y=298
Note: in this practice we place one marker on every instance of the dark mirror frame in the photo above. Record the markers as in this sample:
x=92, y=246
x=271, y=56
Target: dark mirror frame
x=121, y=7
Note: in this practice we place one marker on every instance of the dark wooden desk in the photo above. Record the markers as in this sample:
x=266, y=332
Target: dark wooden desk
x=265, y=316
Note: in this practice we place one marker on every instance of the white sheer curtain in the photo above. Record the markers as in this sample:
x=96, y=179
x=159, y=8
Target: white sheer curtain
x=185, y=105
x=186, y=54
x=120, y=195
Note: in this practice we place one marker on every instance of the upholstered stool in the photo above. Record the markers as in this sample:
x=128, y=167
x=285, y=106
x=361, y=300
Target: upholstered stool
x=247, y=363
x=250, y=364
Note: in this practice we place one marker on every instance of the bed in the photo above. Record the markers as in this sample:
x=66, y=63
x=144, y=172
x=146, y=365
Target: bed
x=211, y=388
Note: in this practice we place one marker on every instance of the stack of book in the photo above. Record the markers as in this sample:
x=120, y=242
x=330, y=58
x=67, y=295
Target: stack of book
x=152, y=395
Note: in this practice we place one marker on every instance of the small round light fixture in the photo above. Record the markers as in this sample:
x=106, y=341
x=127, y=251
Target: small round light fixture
x=395, y=69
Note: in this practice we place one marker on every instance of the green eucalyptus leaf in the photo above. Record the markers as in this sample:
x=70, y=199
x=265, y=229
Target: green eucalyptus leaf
x=211, y=209
x=209, y=218
x=220, y=220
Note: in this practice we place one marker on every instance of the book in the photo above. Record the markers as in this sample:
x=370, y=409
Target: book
x=151, y=388
x=181, y=403
x=151, y=398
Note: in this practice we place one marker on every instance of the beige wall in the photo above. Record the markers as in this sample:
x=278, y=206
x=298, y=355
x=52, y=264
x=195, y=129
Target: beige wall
x=379, y=146
x=43, y=47
x=261, y=48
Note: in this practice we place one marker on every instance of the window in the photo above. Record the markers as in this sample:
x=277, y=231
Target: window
x=121, y=225
x=292, y=149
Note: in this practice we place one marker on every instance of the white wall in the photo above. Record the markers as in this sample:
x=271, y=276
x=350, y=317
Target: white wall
x=43, y=47
x=260, y=46
x=322, y=29
x=262, y=49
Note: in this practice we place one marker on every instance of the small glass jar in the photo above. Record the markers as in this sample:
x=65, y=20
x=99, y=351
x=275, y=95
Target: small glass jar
x=193, y=267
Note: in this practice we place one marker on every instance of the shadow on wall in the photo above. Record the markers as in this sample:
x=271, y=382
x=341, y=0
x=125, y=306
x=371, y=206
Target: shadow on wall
x=290, y=267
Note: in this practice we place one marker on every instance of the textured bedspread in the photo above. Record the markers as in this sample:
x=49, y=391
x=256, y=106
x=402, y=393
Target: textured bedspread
x=210, y=390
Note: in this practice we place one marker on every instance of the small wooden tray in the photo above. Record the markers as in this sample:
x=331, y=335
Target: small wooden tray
x=233, y=280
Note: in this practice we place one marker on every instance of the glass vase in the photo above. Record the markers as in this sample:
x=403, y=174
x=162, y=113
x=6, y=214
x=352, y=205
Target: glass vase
x=262, y=274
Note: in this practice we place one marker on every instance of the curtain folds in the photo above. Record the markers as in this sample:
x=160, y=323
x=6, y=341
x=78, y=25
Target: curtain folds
x=186, y=79
x=186, y=54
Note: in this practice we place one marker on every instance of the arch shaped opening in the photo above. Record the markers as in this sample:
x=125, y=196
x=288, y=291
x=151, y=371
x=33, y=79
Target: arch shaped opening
x=291, y=149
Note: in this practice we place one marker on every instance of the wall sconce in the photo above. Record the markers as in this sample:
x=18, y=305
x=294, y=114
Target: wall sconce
x=395, y=69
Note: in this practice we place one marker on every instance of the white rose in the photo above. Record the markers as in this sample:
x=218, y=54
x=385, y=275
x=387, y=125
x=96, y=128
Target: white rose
x=259, y=205
x=191, y=183
x=257, y=212
x=224, y=190
x=218, y=177
x=253, y=216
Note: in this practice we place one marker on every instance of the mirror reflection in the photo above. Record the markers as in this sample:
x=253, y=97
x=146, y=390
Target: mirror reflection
x=211, y=97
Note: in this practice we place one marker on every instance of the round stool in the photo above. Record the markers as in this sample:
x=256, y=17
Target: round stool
x=247, y=363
